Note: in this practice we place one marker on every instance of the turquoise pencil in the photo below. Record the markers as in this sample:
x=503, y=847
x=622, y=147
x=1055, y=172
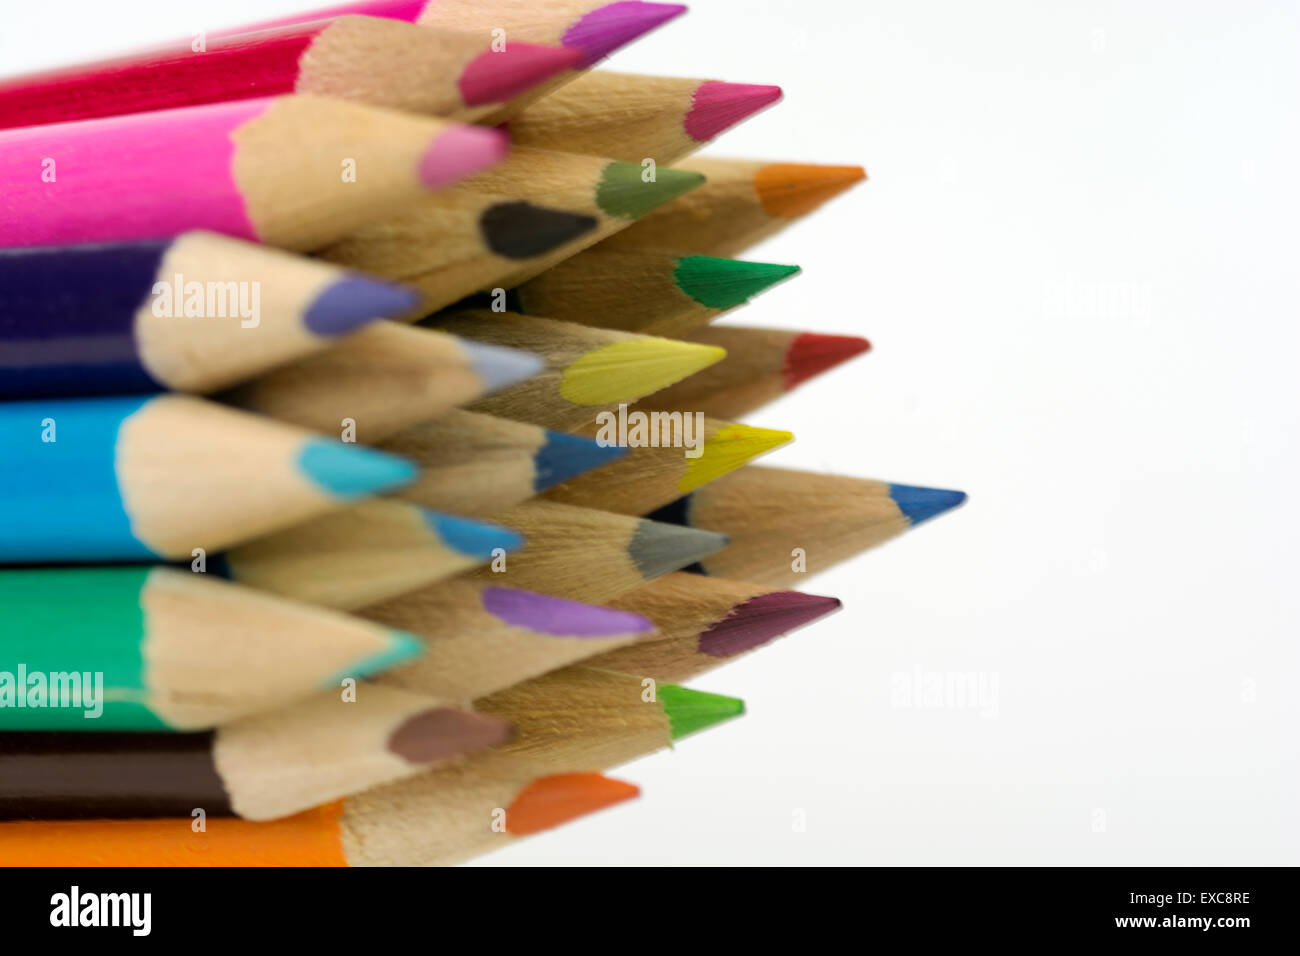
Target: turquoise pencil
x=143, y=478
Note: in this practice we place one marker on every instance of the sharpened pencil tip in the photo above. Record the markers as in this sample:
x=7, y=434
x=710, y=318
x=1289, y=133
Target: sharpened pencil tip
x=444, y=732
x=495, y=76
x=689, y=711
x=558, y=617
x=349, y=471
x=922, y=504
x=474, y=539
x=717, y=106
x=353, y=301
x=460, y=151
x=729, y=448
x=605, y=29
x=727, y=283
x=629, y=369
x=499, y=366
x=812, y=353
x=564, y=456
x=551, y=801
x=399, y=648
x=520, y=230
x=624, y=194
x=789, y=190
x=762, y=618
x=658, y=547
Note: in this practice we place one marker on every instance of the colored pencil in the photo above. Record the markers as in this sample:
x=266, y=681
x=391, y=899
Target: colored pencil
x=743, y=203
x=382, y=379
x=761, y=366
x=779, y=518
x=463, y=243
x=135, y=317
x=333, y=835
x=481, y=638
x=428, y=245
x=475, y=464
x=365, y=554
x=587, y=369
x=272, y=170
x=703, y=622
x=595, y=28
x=649, y=478
x=140, y=478
x=652, y=291
x=594, y=556
x=176, y=650
x=259, y=767
x=365, y=59
x=630, y=117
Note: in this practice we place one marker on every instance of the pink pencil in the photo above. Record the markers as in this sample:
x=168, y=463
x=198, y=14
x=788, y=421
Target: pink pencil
x=596, y=28
x=365, y=59
x=295, y=171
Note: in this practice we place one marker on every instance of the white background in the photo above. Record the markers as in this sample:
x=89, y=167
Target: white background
x=1077, y=260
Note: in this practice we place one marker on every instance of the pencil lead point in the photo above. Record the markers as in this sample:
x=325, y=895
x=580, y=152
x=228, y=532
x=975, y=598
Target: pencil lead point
x=658, y=547
x=349, y=471
x=459, y=151
x=399, y=647
x=352, y=301
x=922, y=504
x=812, y=353
x=551, y=801
x=566, y=456
x=726, y=283
x=762, y=618
x=625, y=194
x=605, y=29
x=629, y=369
x=718, y=106
x=499, y=366
x=690, y=711
x=474, y=539
x=521, y=230
x=789, y=190
x=558, y=617
x=495, y=76
x=441, y=733
x=730, y=447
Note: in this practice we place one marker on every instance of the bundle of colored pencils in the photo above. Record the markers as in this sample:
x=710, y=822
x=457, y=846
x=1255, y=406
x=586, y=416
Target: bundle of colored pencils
x=374, y=475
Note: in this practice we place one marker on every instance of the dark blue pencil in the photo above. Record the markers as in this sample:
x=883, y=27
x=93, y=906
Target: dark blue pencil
x=195, y=313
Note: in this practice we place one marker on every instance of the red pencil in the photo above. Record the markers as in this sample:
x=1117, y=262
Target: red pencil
x=366, y=59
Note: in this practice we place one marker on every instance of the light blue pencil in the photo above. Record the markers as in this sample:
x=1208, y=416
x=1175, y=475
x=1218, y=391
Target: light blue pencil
x=142, y=478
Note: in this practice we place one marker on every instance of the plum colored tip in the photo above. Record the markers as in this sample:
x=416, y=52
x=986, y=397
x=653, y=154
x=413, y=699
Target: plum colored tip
x=922, y=504
x=498, y=366
x=762, y=618
x=789, y=190
x=812, y=353
x=353, y=301
x=563, y=457
x=473, y=539
x=726, y=283
x=657, y=547
x=494, y=77
x=349, y=471
x=689, y=711
x=551, y=801
x=717, y=106
x=441, y=733
x=461, y=151
x=602, y=31
x=557, y=617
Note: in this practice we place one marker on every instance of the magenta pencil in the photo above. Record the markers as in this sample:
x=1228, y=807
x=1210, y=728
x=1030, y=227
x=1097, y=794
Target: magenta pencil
x=596, y=28
x=297, y=172
x=364, y=59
